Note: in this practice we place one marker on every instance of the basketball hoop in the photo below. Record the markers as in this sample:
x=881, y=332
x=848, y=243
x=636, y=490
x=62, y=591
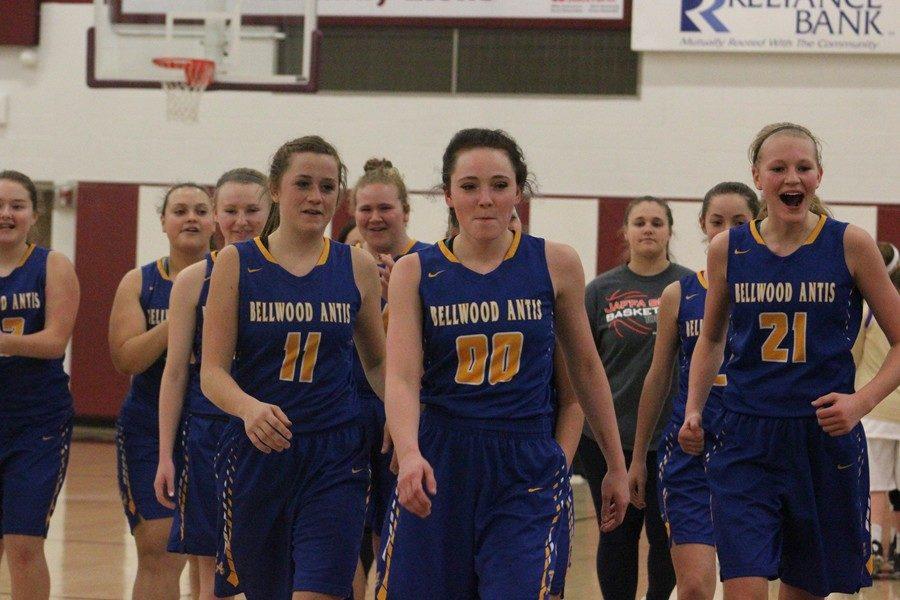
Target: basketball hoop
x=183, y=97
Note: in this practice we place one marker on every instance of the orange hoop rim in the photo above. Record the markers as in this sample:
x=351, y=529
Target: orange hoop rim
x=197, y=71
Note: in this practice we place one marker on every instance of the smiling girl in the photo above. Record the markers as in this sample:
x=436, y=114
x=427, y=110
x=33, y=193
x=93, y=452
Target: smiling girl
x=138, y=330
x=788, y=471
x=39, y=297
x=241, y=205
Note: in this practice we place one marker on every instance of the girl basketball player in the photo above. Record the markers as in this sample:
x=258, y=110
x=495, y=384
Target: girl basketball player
x=138, y=332
x=241, y=204
x=380, y=208
x=788, y=471
x=39, y=298
x=683, y=490
x=569, y=419
x=283, y=315
x=481, y=482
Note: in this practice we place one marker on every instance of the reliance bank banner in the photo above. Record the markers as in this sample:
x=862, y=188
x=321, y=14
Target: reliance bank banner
x=815, y=26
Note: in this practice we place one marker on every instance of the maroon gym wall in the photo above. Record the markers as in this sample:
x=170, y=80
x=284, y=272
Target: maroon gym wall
x=105, y=249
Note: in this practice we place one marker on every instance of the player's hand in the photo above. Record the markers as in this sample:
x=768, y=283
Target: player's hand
x=691, y=434
x=838, y=413
x=637, y=480
x=614, y=491
x=164, y=484
x=384, y=273
x=267, y=427
x=416, y=477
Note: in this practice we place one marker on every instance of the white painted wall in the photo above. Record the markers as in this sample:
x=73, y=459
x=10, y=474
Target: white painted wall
x=687, y=129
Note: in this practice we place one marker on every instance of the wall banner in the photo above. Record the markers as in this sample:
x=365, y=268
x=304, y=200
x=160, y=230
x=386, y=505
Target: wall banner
x=810, y=26
x=401, y=9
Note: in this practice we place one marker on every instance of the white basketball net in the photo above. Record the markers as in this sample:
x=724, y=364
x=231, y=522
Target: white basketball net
x=183, y=97
x=182, y=100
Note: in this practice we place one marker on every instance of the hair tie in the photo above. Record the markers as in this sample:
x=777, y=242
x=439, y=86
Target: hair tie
x=895, y=259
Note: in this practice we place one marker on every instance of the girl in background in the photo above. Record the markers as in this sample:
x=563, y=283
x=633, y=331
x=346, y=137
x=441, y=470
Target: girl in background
x=882, y=426
x=138, y=333
x=39, y=297
x=380, y=206
x=241, y=206
x=622, y=306
x=683, y=489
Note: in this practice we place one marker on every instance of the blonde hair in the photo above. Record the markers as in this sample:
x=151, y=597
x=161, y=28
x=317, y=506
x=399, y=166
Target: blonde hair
x=381, y=170
x=816, y=205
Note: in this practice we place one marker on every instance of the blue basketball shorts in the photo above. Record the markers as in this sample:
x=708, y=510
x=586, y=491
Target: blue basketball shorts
x=292, y=520
x=492, y=531
x=564, y=534
x=383, y=482
x=791, y=502
x=683, y=492
x=194, y=526
x=34, y=454
x=137, y=451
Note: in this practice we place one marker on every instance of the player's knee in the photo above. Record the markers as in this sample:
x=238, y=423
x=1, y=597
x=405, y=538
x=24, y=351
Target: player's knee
x=24, y=553
x=696, y=586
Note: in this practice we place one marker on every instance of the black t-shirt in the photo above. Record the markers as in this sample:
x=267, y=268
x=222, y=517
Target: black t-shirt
x=622, y=308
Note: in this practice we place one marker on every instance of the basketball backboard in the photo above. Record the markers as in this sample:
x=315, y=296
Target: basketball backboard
x=250, y=49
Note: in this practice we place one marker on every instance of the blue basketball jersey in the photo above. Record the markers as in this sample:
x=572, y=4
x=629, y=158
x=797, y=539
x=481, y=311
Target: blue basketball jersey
x=363, y=388
x=793, y=322
x=690, y=317
x=142, y=402
x=488, y=340
x=30, y=386
x=197, y=403
x=295, y=336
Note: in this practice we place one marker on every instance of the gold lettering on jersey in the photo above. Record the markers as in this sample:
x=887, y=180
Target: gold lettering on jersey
x=3, y=302
x=280, y=312
x=817, y=291
x=155, y=316
x=20, y=301
x=807, y=291
x=465, y=313
x=335, y=312
x=523, y=309
x=692, y=327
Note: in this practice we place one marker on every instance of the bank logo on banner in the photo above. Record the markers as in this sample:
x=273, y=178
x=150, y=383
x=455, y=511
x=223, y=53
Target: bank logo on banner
x=817, y=26
x=700, y=15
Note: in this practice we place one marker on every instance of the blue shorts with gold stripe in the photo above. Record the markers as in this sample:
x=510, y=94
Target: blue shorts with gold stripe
x=34, y=454
x=492, y=531
x=291, y=520
x=791, y=502
x=137, y=453
x=683, y=491
x=194, y=526
x=383, y=482
x=564, y=534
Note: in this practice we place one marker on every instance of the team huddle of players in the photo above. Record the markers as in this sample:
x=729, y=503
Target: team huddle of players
x=267, y=403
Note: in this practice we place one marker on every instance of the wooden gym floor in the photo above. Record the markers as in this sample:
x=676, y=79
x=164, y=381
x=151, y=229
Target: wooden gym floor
x=91, y=554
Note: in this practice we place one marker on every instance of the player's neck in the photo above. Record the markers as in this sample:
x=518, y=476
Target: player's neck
x=648, y=266
x=300, y=244
x=11, y=255
x=181, y=259
x=395, y=249
x=482, y=255
x=778, y=232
